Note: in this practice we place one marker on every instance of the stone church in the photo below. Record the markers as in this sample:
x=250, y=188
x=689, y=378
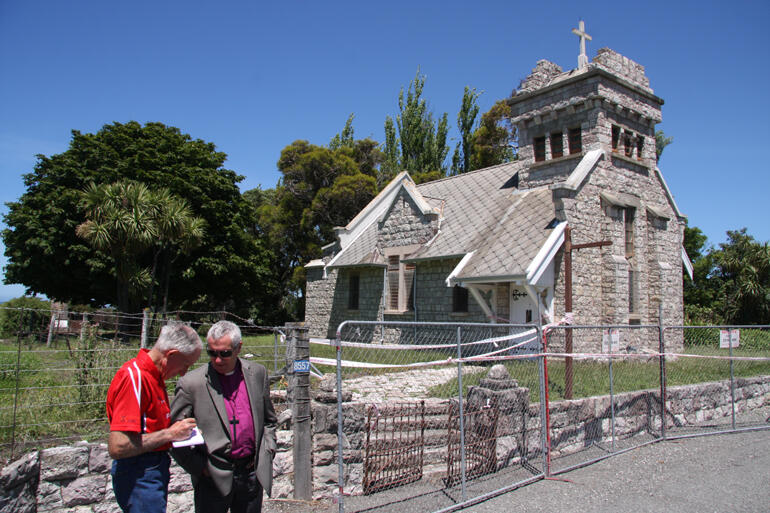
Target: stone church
x=491, y=245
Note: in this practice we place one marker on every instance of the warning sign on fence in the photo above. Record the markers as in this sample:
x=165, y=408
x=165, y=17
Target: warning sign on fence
x=611, y=340
x=729, y=337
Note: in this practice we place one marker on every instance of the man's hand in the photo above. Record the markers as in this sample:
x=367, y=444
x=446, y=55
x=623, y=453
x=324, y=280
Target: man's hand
x=181, y=430
x=124, y=444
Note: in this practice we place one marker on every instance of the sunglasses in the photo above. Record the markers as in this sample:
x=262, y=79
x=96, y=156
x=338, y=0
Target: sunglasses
x=227, y=353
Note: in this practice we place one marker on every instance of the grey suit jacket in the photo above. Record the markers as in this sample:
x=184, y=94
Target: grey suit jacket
x=199, y=395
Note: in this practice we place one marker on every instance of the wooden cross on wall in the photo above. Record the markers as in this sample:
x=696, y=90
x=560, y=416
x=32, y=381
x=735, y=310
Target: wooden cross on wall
x=568, y=249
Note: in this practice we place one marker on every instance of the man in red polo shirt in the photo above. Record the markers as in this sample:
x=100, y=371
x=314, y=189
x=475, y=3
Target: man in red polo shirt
x=140, y=423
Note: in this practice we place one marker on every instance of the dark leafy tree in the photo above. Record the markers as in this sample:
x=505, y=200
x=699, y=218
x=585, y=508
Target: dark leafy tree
x=731, y=283
x=320, y=188
x=742, y=268
x=45, y=254
x=391, y=165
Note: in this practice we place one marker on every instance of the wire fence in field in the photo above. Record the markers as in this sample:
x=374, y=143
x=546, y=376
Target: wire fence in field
x=56, y=366
x=460, y=411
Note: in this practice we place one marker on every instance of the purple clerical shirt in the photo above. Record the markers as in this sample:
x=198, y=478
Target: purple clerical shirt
x=239, y=409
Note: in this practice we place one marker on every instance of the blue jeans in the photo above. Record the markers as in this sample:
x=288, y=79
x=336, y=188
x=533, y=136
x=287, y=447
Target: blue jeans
x=141, y=482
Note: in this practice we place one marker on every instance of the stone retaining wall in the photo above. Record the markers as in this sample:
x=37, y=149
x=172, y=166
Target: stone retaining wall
x=76, y=478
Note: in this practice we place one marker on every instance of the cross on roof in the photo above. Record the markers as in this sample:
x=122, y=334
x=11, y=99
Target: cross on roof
x=581, y=31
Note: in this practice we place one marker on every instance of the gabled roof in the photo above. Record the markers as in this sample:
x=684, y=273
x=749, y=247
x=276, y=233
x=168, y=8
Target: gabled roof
x=481, y=212
x=506, y=249
x=466, y=204
x=359, y=237
x=473, y=202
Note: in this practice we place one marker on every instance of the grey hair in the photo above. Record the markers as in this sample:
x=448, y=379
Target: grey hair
x=223, y=329
x=178, y=336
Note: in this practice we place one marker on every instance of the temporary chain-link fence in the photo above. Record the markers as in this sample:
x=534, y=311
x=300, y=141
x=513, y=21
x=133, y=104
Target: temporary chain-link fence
x=56, y=366
x=405, y=421
x=731, y=365
x=437, y=418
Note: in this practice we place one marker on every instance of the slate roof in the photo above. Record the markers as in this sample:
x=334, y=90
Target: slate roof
x=472, y=203
x=482, y=212
x=362, y=250
x=505, y=249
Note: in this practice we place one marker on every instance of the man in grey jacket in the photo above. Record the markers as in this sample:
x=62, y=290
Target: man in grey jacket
x=230, y=401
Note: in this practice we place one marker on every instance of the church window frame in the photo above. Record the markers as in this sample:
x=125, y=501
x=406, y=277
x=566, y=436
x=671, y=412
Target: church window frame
x=557, y=145
x=615, y=137
x=629, y=215
x=538, y=144
x=459, y=299
x=575, y=139
x=628, y=145
x=633, y=295
x=399, y=279
x=354, y=291
x=639, y=147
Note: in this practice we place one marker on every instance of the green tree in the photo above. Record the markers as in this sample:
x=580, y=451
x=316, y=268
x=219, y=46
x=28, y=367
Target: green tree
x=421, y=140
x=120, y=221
x=731, y=283
x=699, y=292
x=742, y=269
x=23, y=313
x=45, y=255
x=320, y=188
x=345, y=138
x=466, y=118
x=392, y=160
x=661, y=141
x=179, y=233
x=494, y=141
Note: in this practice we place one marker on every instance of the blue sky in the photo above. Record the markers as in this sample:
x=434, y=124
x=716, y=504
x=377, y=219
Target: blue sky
x=252, y=77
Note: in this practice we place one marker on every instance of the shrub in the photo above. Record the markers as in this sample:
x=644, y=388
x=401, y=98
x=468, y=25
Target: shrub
x=36, y=315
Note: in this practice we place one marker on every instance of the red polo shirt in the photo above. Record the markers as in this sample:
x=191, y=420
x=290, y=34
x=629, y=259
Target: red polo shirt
x=137, y=401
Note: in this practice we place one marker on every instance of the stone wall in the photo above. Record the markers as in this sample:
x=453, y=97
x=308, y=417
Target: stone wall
x=76, y=478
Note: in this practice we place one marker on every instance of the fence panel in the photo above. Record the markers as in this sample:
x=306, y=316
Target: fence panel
x=714, y=385
x=489, y=372
x=604, y=396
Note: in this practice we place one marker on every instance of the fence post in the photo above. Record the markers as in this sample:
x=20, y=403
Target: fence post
x=662, y=351
x=145, y=322
x=612, y=398
x=83, y=326
x=732, y=375
x=544, y=440
x=16, y=392
x=51, y=324
x=340, y=424
x=460, y=404
x=298, y=394
x=275, y=350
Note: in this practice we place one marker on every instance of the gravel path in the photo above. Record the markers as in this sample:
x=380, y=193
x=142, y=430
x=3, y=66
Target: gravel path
x=403, y=385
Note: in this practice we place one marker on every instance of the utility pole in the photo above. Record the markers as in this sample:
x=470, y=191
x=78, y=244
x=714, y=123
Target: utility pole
x=568, y=249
